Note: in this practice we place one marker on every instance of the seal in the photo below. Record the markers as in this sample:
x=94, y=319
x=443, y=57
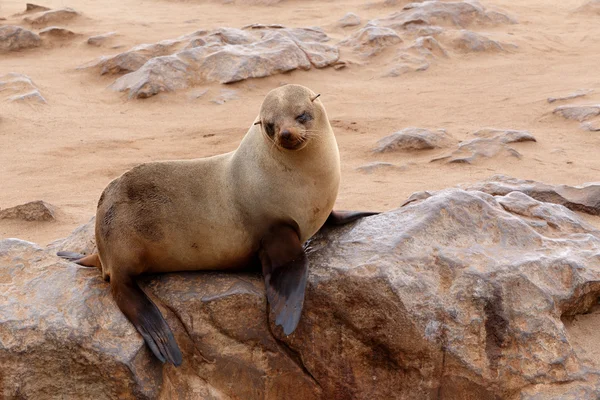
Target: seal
x=261, y=202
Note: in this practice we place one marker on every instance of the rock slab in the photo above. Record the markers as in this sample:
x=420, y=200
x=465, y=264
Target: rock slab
x=459, y=294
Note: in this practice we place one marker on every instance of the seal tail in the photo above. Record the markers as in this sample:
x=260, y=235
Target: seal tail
x=285, y=269
x=147, y=319
x=93, y=260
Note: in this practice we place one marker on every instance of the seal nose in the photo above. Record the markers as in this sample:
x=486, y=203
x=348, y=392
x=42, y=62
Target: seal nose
x=286, y=134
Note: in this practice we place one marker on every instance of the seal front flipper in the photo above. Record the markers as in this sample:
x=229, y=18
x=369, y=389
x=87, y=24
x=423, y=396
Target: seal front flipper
x=285, y=268
x=344, y=217
x=147, y=319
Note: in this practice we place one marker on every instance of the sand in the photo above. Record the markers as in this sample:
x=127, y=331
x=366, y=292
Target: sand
x=65, y=152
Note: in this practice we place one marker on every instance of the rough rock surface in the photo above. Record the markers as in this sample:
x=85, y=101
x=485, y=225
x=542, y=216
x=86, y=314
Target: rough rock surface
x=410, y=139
x=590, y=7
x=223, y=55
x=32, y=211
x=18, y=87
x=578, y=112
x=593, y=125
x=489, y=143
x=457, y=295
x=350, y=19
x=14, y=38
x=51, y=17
x=584, y=198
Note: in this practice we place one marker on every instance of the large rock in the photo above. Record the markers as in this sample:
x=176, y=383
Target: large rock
x=371, y=40
x=578, y=112
x=223, y=55
x=458, y=295
x=14, y=38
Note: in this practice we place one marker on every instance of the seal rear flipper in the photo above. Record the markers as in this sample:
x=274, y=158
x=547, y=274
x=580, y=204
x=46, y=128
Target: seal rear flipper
x=147, y=319
x=93, y=260
x=344, y=217
x=285, y=269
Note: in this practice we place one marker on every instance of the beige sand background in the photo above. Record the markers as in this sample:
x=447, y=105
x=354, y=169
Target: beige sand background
x=65, y=152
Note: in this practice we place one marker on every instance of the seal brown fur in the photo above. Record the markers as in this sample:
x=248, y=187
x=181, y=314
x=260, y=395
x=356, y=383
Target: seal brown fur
x=263, y=200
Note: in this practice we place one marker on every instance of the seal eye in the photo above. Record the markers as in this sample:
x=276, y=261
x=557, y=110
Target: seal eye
x=304, y=117
x=270, y=129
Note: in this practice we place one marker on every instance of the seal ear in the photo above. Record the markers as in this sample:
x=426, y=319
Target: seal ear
x=316, y=97
x=285, y=268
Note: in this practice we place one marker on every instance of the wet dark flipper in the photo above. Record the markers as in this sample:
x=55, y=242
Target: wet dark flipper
x=285, y=268
x=147, y=319
x=345, y=217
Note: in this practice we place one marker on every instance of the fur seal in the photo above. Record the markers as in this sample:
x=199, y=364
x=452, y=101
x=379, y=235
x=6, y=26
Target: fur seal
x=260, y=202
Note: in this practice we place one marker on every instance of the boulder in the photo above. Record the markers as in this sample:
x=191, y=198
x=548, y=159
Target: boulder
x=458, y=294
x=14, y=38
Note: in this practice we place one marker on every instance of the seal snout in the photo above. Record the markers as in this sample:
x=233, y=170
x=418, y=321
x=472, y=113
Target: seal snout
x=290, y=138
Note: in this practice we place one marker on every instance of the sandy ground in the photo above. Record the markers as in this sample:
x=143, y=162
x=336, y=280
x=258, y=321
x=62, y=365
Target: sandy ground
x=66, y=152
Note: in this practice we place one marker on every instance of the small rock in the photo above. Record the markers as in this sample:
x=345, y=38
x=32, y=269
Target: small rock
x=451, y=14
x=579, y=93
x=409, y=139
x=467, y=41
x=32, y=211
x=18, y=87
x=428, y=46
x=490, y=143
x=196, y=94
x=57, y=33
x=505, y=135
x=225, y=96
x=416, y=197
x=33, y=96
x=578, y=113
x=405, y=63
x=81, y=240
x=376, y=166
x=99, y=40
x=33, y=8
x=350, y=19
x=51, y=17
x=593, y=126
x=14, y=38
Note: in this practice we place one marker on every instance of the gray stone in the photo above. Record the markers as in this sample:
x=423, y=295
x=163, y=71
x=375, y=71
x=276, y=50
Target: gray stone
x=13, y=38
x=371, y=40
x=574, y=95
x=410, y=139
x=56, y=32
x=489, y=143
x=578, y=113
x=32, y=211
x=19, y=88
x=99, y=40
x=380, y=166
x=350, y=19
x=51, y=17
x=466, y=42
